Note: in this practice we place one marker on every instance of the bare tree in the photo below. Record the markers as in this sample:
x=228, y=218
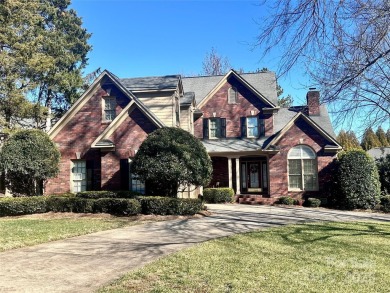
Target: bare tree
x=214, y=64
x=345, y=47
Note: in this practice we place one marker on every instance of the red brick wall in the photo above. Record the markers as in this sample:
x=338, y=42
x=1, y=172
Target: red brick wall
x=83, y=129
x=246, y=102
x=300, y=133
x=220, y=172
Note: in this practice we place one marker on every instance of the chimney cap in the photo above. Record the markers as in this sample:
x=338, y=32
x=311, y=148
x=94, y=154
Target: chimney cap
x=312, y=88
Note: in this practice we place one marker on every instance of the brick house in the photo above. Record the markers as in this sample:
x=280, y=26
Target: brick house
x=256, y=147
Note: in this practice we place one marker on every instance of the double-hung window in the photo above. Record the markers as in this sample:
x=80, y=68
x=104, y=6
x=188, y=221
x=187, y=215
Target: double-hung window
x=302, y=169
x=79, y=178
x=136, y=184
x=252, y=127
x=109, y=108
x=214, y=127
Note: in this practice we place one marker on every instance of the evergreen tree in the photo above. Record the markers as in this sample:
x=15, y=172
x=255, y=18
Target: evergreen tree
x=380, y=133
x=43, y=49
x=348, y=140
x=370, y=140
x=388, y=135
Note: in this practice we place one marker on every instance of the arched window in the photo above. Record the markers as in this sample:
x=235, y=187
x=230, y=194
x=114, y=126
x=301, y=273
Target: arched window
x=302, y=168
x=232, y=95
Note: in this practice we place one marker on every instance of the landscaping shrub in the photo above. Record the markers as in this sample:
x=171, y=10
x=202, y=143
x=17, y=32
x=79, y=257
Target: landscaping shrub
x=357, y=181
x=385, y=203
x=218, y=195
x=108, y=194
x=69, y=204
x=158, y=205
x=22, y=206
x=312, y=202
x=117, y=206
x=96, y=194
x=383, y=165
x=286, y=200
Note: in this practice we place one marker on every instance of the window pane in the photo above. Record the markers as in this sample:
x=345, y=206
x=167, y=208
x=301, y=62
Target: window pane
x=295, y=181
x=310, y=182
x=294, y=167
x=307, y=153
x=213, y=126
x=252, y=126
x=295, y=153
x=309, y=167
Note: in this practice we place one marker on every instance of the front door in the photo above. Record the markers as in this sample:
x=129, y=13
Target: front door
x=254, y=176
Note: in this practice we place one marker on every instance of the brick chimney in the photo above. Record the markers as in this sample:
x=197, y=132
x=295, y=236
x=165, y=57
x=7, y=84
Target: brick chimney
x=313, y=102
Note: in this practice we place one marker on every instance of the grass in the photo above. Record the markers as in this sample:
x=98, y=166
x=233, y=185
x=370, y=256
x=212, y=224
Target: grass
x=24, y=231
x=319, y=257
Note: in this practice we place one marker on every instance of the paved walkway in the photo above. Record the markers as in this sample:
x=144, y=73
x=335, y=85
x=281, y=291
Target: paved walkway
x=85, y=263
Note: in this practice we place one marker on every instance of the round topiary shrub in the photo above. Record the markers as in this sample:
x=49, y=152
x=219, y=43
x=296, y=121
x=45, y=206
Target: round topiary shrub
x=286, y=200
x=357, y=184
x=312, y=202
x=218, y=195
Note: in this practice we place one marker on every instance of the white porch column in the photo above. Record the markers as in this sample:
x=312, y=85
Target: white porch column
x=230, y=173
x=238, y=191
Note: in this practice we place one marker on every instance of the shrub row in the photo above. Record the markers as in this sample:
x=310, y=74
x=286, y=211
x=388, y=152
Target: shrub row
x=114, y=206
x=385, y=203
x=42, y=204
x=218, y=195
x=108, y=194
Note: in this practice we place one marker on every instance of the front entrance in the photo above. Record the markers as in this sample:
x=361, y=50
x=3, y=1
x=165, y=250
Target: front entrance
x=254, y=175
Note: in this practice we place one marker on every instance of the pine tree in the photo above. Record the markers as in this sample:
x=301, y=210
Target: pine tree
x=380, y=133
x=348, y=140
x=370, y=140
x=43, y=49
x=388, y=135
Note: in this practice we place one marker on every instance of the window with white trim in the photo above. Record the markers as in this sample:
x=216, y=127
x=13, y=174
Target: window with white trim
x=136, y=184
x=79, y=178
x=302, y=169
x=232, y=95
x=252, y=126
x=109, y=108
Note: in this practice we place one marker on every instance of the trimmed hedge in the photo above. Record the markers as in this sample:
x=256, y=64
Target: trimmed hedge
x=312, y=202
x=218, y=195
x=286, y=200
x=385, y=203
x=107, y=194
x=22, y=205
x=42, y=204
x=158, y=205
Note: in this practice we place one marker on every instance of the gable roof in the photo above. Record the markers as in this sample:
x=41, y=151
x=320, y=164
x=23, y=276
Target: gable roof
x=320, y=130
x=167, y=82
x=379, y=152
x=88, y=94
x=262, y=82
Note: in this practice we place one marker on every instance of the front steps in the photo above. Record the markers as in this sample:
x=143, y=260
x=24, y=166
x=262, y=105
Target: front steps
x=253, y=199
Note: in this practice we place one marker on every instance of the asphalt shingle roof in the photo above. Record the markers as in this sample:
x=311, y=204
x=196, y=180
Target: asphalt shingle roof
x=263, y=82
x=151, y=83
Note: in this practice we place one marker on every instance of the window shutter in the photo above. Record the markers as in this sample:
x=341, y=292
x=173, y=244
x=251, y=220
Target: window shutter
x=218, y=122
x=205, y=128
x=89, y=166
x=223, y=127
x=124, y=172
x=261, y=127
x=243, y=126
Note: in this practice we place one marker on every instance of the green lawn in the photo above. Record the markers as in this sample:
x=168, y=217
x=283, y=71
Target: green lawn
x=319, y=257
x=19, y=232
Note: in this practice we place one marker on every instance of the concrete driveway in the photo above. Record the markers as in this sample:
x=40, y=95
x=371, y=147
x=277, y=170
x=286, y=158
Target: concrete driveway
x=85, y=263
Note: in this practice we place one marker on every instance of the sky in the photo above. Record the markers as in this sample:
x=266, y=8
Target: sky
x=150, y=38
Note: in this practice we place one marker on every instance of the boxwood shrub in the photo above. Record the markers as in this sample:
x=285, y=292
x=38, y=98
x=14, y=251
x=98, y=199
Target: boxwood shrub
x=117, y=206
x=218, y=195
x=312, y=202
x=159, y=205
x=22, y=205
x=69, y=204
x=107, y=194
x=286, y=200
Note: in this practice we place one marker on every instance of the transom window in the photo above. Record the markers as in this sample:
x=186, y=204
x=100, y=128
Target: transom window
x=109, y=108
x=79, y=180
x=232, y=95
x=302, y=168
